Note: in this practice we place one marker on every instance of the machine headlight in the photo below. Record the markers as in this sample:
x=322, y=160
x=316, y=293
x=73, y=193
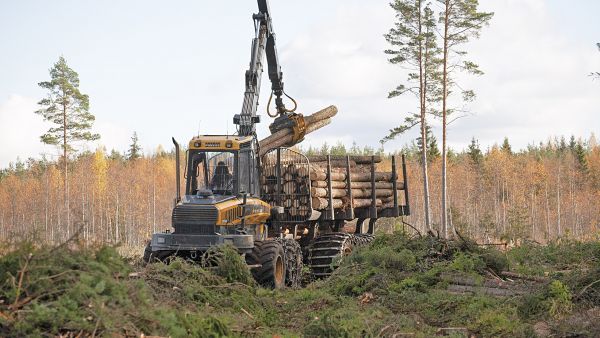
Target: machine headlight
x=160, y=240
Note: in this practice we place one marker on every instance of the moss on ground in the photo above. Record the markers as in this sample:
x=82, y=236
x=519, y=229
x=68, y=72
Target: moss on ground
x=396, y=285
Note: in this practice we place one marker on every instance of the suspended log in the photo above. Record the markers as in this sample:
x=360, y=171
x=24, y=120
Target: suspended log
x=287, y=140
x=284, y=137
x=321, y=115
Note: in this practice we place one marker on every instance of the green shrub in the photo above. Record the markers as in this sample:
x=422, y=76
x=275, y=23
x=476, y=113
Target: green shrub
x=466, y=262
x=326, y=327
x=559, y=299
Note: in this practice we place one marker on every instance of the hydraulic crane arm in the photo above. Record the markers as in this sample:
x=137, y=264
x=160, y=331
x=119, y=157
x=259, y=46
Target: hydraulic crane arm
x=263, y=43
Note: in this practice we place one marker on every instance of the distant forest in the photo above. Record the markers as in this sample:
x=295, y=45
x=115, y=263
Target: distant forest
x=545, y=192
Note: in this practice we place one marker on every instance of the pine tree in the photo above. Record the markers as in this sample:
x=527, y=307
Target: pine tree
x=414, y=41
x=562, y=146
x=572, y=144
x=461, y=21
x=135, y=151
x=433, y=151
x=324, y=149
x=475, y=152
x=338, y=149
x=506, y=146
x=115, y=155
x=580, y=155
x=69, y=109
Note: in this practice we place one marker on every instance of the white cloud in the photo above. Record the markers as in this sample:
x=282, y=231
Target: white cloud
x=536, y=83
x=535, y=86
x=20, y=130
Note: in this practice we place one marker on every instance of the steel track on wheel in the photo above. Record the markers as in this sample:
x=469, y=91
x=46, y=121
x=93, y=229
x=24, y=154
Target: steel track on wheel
x=327, y=251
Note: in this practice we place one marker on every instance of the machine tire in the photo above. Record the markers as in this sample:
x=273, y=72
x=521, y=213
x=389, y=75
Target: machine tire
x=327, y=251
x=293, y=262
x=270, y=258
x=362, y=239
x=147, y=258
x=156, y=256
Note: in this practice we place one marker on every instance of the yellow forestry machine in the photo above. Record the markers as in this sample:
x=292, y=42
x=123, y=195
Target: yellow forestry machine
x=263, y=205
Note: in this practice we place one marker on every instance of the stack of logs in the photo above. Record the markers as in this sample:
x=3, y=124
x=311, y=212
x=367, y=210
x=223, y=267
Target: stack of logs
x=293, y=193
x=294, y=190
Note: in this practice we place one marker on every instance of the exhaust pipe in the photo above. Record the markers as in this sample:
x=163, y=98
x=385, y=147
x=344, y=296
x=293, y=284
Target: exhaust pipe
x=177, y=171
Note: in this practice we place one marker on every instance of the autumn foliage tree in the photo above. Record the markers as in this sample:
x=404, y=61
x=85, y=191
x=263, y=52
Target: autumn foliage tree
x=541, y=193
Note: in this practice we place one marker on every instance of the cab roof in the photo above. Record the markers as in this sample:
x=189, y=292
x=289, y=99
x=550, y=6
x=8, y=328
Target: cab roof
x=218, y=142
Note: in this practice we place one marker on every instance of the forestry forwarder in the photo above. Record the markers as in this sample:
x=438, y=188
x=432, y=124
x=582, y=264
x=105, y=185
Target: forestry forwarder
x=225, y=200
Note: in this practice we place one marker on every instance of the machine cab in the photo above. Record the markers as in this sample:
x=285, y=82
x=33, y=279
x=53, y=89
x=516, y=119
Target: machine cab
x=221, y=166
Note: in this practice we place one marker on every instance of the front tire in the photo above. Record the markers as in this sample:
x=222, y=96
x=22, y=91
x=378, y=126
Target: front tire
x=147, y=258
x=269, y=258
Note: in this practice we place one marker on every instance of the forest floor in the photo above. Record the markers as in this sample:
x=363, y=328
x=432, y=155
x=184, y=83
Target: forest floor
x=396, y=287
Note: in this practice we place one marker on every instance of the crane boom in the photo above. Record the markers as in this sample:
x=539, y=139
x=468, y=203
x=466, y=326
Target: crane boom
x=263, y=43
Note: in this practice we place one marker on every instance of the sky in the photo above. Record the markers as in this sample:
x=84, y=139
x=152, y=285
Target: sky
x=178, y=70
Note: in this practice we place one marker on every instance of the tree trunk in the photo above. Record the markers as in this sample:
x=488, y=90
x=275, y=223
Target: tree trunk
x=66, y=168
x=558, y=225
x=444, y=122
x=422, y=94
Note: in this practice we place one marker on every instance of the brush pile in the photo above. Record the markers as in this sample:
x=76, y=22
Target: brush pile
x=396, y=286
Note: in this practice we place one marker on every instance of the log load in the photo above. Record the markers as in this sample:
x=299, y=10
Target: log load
x=342, y=158
x=301, y=184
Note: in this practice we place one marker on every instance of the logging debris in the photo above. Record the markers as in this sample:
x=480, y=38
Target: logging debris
x=419, y=286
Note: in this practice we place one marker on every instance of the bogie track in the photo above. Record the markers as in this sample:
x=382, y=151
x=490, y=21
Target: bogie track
x=327, y=251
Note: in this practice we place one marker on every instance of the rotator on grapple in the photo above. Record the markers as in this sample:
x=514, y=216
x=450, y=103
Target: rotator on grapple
x=263, y=205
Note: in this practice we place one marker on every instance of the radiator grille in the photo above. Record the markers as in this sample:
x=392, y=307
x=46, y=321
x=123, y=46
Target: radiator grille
x=195, y=229
x=193, y=219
